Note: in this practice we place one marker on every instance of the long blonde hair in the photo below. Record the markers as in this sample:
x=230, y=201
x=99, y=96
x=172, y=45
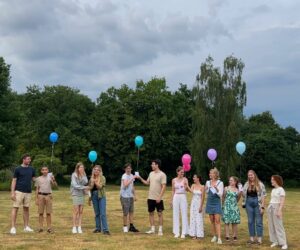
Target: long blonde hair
x=98, y=179
x=216, y=172
x=256, y=181
x=78, y=165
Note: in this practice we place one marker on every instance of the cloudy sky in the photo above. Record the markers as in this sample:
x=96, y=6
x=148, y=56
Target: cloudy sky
x=92, y=45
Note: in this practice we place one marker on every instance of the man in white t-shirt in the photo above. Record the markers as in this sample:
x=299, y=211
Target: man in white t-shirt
x=157, y=181
x=127, y=198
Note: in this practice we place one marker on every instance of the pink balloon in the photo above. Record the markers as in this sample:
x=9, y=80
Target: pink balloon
x=212, y=154
x=186, y=168
x=186, y=159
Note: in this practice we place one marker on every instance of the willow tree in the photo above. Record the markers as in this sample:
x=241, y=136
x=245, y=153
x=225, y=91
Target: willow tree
x=220, y=97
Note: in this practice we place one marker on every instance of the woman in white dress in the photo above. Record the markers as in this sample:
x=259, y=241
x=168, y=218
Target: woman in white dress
x=196, y=215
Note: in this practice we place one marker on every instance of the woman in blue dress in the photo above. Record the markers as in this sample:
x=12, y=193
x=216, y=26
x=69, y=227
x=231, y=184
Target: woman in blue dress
x=214, y=189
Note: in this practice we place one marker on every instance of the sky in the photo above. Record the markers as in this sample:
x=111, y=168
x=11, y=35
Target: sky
x=93, y=45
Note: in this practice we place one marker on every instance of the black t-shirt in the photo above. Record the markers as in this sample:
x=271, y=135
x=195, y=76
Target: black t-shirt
x=24, y=177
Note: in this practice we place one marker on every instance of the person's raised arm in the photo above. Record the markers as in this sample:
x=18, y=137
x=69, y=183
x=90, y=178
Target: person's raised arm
x=126, y=183
x=145, y=182
x=75, y=184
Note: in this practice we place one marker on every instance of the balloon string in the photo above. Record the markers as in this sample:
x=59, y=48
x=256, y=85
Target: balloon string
x=52, y=152
x=138, y=157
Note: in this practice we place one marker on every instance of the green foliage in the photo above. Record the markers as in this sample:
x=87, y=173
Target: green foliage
x=54, y=166
x=217, y=114
x=271, y=149
x=9, y=121
x=172, y=123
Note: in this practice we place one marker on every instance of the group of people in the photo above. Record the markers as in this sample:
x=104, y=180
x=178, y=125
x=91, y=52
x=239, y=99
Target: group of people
x=221, y=202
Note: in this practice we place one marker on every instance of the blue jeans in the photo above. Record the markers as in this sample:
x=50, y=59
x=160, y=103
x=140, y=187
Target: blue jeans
x=255, y=219
x=99, y=205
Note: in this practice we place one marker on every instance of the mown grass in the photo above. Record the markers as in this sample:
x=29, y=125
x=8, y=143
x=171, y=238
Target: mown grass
x=64, y=239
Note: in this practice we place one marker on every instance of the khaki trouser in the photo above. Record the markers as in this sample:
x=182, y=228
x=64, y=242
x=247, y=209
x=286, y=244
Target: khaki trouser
x=276, y=229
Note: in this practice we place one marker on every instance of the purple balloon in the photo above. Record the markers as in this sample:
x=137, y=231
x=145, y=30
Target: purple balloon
x=212, y=154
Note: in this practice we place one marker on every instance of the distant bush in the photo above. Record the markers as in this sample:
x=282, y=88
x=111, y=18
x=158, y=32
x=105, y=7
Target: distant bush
x=5, y=186
x=55, y=166
x=6, y=175
x=291, y=183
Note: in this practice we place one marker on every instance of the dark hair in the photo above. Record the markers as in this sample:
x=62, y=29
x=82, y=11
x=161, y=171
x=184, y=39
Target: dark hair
x=179, y=169
x=278, y=180
x=24, y=156
x=44, y=166
x=127, y=165
x=198, y=176
x=157, y=162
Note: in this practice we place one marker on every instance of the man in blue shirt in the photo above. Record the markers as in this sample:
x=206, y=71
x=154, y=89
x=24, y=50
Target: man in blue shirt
x=21, y=192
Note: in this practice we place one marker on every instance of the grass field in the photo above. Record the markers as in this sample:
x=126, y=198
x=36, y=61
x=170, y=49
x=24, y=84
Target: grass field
x=64, y=239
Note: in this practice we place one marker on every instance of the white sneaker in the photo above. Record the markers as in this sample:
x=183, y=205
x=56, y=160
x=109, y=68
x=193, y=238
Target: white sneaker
x=150, y=231
x=284, y=247
x=214, y=239
x=79, y=230
x=125, y=229
x=219, y=241
x=275, y=244
x=13, y=230
x=74, y=230
x=176, y=236
x=182, y=236
x=28, y=229
x=160, y=233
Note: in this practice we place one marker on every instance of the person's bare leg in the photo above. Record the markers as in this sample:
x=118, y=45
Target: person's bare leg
x=75, y=215
x=160, y=218
x=218, y=225
x=234, y=230
x=14, y=213
x=131, y=218
x=212, y=224
x=49, y=221
x=125, y=220
x=227, y=230
x=41, y=220
x=80, y=215
x=151, y=219
x=26, y=216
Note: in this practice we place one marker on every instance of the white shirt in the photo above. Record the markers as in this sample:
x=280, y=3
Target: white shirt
x=276, y=194
x=220, y=187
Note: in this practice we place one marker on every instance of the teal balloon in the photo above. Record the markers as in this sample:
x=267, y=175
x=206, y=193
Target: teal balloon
x=53, y=137
x=93, y=156
x=139, y=140
x=240, y=147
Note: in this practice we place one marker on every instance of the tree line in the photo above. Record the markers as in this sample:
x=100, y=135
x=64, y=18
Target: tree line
x=187, y=120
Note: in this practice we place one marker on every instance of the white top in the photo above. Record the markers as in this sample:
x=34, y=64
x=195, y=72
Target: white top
x=179, y=186
x=220, y=187
x=126, y=192
x=276, y=194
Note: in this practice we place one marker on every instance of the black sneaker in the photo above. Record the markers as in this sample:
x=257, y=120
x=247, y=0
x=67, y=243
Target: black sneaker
x=106, y=232
x=97, y=231
x=133, y=229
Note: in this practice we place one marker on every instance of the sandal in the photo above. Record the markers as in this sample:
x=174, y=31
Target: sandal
x=227, y=238
x=40, y=230
x=50, y=231
x=250, y=242
x=234, y=238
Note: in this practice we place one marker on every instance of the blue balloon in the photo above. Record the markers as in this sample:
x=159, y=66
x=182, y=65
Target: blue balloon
x=53, y=137
x=240, y=147
x=139, y=141
x=93, y=156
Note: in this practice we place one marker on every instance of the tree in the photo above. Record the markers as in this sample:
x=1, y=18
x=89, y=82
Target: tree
x=218, y=114
x=9, y=118
x=64, y=110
